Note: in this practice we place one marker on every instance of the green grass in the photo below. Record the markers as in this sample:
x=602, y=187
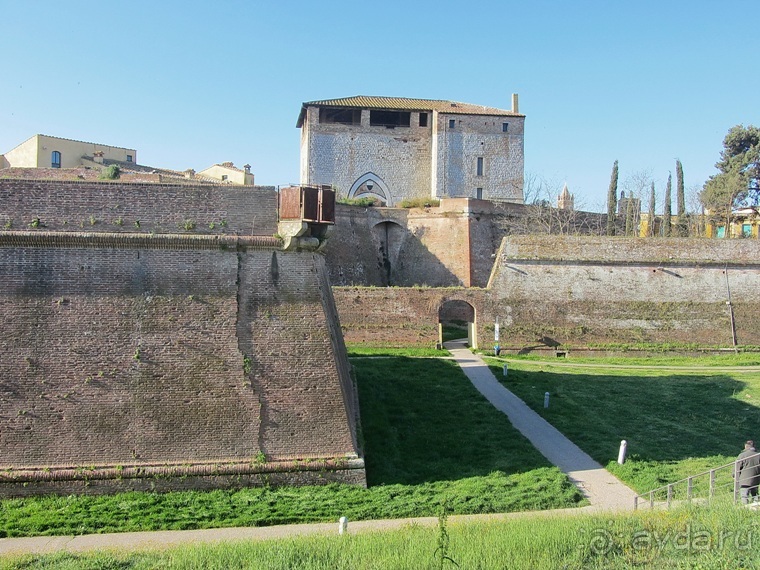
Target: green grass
x=713, y=360
x=418, y=351
x=429, y=438
x=676, y=423
x=707, y=538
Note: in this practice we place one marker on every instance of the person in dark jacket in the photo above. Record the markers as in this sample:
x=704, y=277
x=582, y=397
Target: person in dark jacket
x=748, y=472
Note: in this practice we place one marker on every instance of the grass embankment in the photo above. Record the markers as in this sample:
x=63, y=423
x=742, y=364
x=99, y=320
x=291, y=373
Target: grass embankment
x=718, y=537
x=416, y=351
x=677, y=423
x=430, y=438
x=649, y=359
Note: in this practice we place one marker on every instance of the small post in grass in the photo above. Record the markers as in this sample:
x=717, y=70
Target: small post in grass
x=506, y=368
x=342, y=525
x=546, y=400
x=622, y=452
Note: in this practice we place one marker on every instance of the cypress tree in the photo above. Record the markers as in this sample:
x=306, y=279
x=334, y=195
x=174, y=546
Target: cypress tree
x=667, y=213
x=612, y=200
x=680, y=201
x=652, y=220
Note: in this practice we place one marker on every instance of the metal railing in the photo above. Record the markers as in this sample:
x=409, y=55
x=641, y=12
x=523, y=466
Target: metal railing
x=720, y=482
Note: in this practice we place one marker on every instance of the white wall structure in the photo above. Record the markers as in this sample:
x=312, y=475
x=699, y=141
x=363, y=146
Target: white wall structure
x=393, y=148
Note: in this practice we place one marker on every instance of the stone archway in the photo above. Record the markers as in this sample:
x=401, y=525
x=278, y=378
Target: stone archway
x=457, y=315
x=388, y=237
x=370, y=185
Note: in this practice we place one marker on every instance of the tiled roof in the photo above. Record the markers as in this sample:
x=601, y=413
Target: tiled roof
x=406, y=104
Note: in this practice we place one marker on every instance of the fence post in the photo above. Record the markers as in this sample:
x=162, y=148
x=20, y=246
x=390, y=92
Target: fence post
x=636, y=503
x=651, y=499
x=670, y=494
x=689, y=483
x=736, y=481
x=712, y=483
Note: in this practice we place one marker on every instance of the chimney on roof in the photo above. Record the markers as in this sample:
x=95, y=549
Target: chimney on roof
x=247, y=168
x=515, y=108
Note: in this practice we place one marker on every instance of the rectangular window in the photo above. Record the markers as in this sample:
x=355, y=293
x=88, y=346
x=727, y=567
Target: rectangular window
x=452, y=123
x=330, y=115
x=747, y=230
x=390, y=119
x=423, y=119
x=721, y=233
x=504, y=127
x=480, y=166
x=224, y=177
x=129, y=158
x=479, y=193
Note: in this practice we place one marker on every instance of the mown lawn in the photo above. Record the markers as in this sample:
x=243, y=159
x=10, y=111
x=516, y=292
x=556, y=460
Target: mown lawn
x=676, y=423
x=719, y=537
x=430, y=439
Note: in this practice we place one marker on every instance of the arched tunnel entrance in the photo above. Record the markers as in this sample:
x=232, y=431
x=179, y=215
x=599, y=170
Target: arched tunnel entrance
x=388, y=237
x=457, y=319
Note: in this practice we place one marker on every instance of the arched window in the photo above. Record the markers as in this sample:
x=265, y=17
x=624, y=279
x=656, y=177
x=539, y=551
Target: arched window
x=55, y=161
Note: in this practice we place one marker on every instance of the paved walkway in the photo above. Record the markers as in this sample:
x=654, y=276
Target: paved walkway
x=602, y=489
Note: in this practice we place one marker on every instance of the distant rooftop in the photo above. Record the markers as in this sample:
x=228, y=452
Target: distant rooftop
x=406, y=104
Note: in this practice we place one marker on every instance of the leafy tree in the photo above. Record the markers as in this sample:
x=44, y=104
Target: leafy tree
x=682, y=227
x=737, y=183
x=612, y=200
x=667, y=213
x=652, y=217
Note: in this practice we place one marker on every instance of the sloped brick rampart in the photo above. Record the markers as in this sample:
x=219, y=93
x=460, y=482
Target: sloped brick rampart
x=582, y=291
x=120, y=359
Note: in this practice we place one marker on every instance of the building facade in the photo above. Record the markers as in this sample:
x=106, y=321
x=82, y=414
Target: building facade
x=391, y=149
x=229, y=173
x=43, y=151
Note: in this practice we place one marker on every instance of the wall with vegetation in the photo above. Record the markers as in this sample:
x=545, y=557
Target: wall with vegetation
x=76, y=206
x=583, y=290
x=192, y=358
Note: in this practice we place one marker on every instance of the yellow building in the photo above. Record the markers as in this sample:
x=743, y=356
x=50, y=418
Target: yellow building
x=745, y=223
x=43, y=151
x=228, y=172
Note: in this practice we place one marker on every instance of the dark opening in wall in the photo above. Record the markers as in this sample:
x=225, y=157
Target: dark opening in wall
x=340, y=116
x=390, y=118
x=423, y=119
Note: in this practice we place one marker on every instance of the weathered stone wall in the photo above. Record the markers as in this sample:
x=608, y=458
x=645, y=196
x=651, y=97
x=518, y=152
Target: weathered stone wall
x=203, y=356
x=68, y=206
x=581, y=291
x=457, y=151
x=399, y=247
x=454, y=244
x=397, y=316
x=400, y=158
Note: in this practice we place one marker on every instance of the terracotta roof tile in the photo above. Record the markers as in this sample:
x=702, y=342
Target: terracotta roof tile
x=407, y=104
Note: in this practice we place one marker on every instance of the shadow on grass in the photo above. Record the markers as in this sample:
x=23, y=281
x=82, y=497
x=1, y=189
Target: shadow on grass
x=423, y=421
x=662, y=416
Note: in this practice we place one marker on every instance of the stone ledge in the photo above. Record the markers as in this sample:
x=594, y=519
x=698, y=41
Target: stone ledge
x=170, y=470
x=134, y=240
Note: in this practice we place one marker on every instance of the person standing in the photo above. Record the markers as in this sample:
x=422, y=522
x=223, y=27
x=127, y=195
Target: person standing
x=747, y=472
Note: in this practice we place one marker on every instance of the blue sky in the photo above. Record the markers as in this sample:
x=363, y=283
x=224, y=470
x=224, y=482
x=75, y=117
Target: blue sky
x=189, y=84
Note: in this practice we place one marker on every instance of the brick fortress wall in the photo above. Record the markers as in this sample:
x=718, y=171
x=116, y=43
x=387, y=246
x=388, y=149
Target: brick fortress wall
x=134, y=361
x=117, y=207
x=581, y=292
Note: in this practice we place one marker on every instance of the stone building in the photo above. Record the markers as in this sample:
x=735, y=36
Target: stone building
x=566, y=201
x=395, y=148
